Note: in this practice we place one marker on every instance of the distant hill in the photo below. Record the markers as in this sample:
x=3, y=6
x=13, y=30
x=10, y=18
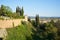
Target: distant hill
x=31, y=17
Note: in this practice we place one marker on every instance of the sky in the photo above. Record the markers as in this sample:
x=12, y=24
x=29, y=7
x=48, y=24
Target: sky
x=44, y=8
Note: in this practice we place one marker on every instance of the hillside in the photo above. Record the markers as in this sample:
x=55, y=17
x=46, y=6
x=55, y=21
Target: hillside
x=30, y=31
x=21, y=32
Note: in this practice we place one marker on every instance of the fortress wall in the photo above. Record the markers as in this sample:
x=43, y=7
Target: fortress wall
x=9, y=23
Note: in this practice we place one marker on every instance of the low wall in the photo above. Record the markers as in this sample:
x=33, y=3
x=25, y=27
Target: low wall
x=9, y=23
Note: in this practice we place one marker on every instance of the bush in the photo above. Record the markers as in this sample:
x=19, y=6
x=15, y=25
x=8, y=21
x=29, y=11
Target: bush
x=1, y=18
x=21, y=32
x=23, y=22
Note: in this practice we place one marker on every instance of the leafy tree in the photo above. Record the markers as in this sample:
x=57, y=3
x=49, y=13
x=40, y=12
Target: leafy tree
x=52, y=22
x=57, y=24
x=9, y=11
x=51, y=31
x=5, y=10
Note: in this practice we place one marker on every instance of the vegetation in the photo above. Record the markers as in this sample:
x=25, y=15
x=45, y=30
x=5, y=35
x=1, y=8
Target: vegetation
x=21, y=32
x=29, y=31
x=19, y=11
x=29, y=19
x=37, y=20
x=32, y=30
x=7, y=12
x=45, y=31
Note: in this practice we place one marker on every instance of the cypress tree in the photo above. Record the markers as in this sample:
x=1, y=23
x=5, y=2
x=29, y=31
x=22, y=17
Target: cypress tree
x=22, y=11
x=37, y=20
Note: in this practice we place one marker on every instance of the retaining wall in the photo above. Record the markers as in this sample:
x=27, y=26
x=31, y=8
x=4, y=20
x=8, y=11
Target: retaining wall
x=9, y=23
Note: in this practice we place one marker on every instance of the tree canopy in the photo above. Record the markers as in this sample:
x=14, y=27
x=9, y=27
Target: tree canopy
x=7, y=11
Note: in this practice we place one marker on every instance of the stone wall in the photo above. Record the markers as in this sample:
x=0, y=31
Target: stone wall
x=9, y=23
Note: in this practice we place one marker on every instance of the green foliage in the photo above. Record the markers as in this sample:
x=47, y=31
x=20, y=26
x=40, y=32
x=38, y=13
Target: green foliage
x=29, y=19
x=19, y=17
x=28, y=31
x=45, y=31
x=33, y=23
x=21, y=32
x=37, y=20
x=22, y=11
x=19, y=11
x=52, y=22
x=57, y=24
x=3, y=10
x=6, y=11
x=23, y=22
x=1, y=18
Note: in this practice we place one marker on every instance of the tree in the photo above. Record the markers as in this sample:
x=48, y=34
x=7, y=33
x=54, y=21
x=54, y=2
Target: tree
x=29, y=19
x=5, y=10
x=57, y=24
x=0, y=10
x=52, y=22
x=37, y=20
x=51, y=31
x=18, y=10
x=8, y=11
x=22, y=12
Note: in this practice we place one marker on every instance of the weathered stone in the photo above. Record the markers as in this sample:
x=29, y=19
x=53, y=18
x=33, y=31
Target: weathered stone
x=3, y=34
